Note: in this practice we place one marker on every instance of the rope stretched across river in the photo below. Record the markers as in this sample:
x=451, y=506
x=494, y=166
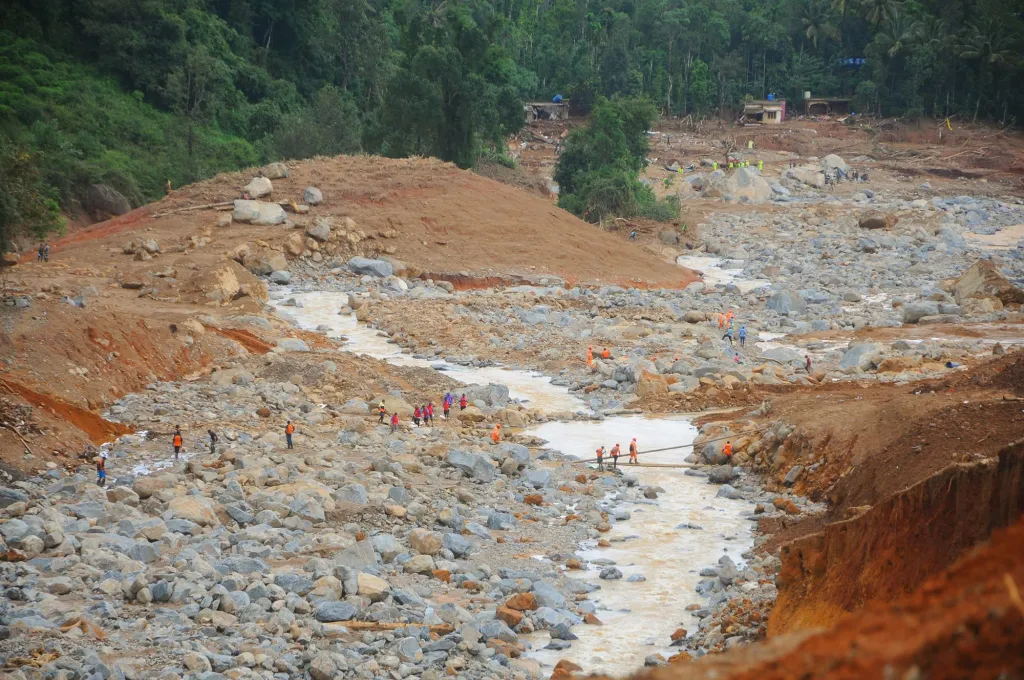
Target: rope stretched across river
x=680, y=446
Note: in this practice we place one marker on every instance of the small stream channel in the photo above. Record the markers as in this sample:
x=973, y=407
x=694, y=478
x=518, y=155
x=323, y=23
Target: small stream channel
x=639, y=615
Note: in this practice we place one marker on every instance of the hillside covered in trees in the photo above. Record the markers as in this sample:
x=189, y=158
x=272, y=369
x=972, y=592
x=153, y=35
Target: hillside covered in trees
x=136, y=93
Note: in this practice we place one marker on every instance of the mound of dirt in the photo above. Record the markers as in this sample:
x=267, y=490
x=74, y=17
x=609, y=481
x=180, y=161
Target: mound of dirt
x=443, y=220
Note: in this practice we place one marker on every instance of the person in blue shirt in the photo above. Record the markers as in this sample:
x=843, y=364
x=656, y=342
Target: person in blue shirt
x=743, y=334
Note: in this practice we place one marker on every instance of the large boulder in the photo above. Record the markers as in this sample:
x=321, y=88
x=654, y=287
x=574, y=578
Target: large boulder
x=393, y=405
x=258, y=187
x=223, y=283
x=319, y=230
x=809, y=176
x=263, y=262
x=833, y=162
x=984, y=280
x=312, y=196
x=877, y=220
x=748, y=184
x=786, y=301
x=651, y=384
x=103, y=201
x=276, y=171
x=861, y=356
x=379, y=268
x=258, y=213
x=492, y=394
x=196, y=509
x=472, y=465
x=915, y=311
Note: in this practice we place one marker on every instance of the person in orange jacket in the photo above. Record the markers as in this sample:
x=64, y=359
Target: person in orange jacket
x=606, y=354
x=615, y=455
x=289, y=430
x=590, y=357
x=727, y=451
x=496, y=433
x=632, y=451
x=600, y=458
x=178, y=441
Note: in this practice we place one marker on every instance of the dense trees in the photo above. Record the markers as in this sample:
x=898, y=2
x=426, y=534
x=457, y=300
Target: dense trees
x=136, y=92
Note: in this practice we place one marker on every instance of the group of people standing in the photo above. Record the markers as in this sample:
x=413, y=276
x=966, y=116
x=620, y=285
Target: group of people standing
x=424, y=414
x=615, y=452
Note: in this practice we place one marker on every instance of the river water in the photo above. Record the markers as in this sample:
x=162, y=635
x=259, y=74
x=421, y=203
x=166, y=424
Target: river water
x=638, y=616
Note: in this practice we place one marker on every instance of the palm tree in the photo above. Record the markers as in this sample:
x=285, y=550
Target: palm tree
x=816, y=21
x=842, y=7
x=899, y=33
x=878, y=11
x=992, y=47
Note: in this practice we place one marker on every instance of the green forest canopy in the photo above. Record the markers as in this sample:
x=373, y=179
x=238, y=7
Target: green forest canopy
x=137, y=92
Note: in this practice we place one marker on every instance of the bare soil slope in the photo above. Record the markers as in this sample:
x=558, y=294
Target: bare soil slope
x=447, y=220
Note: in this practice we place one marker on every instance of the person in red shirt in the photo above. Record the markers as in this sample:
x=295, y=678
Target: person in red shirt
x=394, y=422
x=416, y=416
x=463, y=403
x=430, y=412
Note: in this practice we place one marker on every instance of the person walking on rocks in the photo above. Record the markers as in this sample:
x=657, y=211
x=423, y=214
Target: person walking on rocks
x=615, y=456
x=721, y=321
x=632, y=452
x=463, y=403
x=289, y=430
x=416, y=416
x=394, y=422
x=807, y=359
x=729, y=316
x=600, y=458
x=213, y=441
x=728, y=335
x=605, y=354
x=177, y=441
x=743, y=335
x=447, y=404
x=496, y=433
x=430, y=413
x=101, y=469
x=727, y=451
x=381, y=411
x=590, y=357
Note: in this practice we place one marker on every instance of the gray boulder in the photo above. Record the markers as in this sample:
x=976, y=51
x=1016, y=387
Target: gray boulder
x=103, y=201
x=312, y=196
x=472, y=465
x=786, y=301
x=860, y=356
x=915, y=311
x=379, y=268
x=330, y=612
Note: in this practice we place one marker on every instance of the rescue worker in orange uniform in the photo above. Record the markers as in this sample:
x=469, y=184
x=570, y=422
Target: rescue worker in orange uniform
x=590, y=357
x=606, y=354
x=600, y=458
x=615, y=455
x=289, y=430
x=632, y=451
x=727, y=451
x=496, y=433
x=177, y=441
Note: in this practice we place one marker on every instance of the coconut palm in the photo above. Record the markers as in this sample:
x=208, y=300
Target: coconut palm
x=878, y=11
x=816, y=20
x=898, y=34
x=992, y=47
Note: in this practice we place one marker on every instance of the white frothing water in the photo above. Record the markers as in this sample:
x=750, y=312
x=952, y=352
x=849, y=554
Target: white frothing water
x=640, y=617
x=715, y=275
x=321, y=309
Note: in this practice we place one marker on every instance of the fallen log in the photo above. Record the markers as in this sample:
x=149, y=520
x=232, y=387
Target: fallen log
x=207, y=206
